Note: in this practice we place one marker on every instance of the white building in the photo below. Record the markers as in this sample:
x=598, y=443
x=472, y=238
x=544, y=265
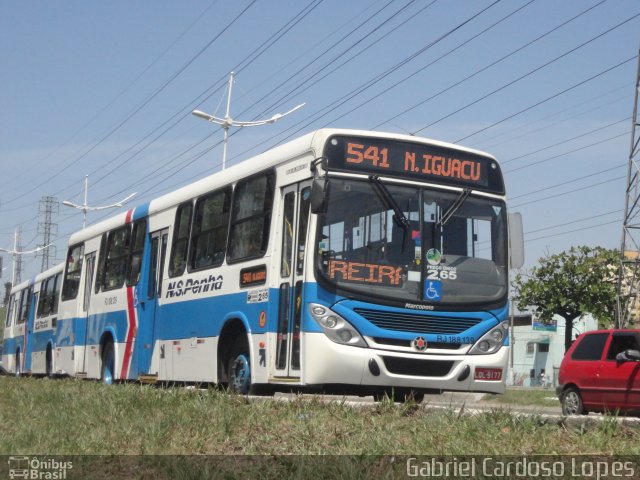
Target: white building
x=537, y=349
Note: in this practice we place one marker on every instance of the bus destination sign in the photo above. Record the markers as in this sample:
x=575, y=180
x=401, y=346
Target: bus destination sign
x=414, y=161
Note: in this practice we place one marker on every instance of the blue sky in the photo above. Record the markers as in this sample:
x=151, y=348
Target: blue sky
x=106, y=89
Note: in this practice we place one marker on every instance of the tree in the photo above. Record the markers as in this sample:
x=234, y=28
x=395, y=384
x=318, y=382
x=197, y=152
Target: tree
x=570, y=284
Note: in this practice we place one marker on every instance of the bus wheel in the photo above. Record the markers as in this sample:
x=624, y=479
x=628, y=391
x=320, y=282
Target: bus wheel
x=108, y=364
x=239, y=369
x=18, y=363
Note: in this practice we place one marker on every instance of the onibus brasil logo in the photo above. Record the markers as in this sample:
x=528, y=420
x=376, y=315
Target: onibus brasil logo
x=36, y=468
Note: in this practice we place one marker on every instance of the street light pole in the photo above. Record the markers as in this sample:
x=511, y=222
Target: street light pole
x=14, y=252
x=227, y=121
x=85, y=207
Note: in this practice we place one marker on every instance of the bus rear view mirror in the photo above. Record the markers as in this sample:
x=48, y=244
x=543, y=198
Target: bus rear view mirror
x=516, y=241
x=319, y=195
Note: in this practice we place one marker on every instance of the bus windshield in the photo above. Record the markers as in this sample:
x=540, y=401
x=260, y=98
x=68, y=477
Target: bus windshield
x=404, y=243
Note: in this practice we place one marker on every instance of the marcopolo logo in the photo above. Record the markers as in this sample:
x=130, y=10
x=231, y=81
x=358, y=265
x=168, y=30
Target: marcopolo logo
x=38, y=468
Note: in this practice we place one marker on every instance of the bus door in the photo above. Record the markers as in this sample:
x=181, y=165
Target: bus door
x=83, y=326
x=28, y=329
x=295, y=218
x=148, y=295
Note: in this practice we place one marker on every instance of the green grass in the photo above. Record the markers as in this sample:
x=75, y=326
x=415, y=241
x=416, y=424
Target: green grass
x=67, y=417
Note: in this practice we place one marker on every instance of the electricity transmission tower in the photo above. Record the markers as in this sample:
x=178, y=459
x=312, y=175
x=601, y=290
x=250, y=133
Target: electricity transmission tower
x=629, y=268
x=48, y=207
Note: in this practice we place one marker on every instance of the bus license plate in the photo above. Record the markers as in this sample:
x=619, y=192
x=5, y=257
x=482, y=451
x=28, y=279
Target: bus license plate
x=494, y=374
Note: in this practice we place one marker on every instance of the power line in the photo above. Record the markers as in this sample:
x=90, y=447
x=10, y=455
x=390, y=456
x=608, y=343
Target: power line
x=571, y=231
x=314, y=75
x=561, y=194
x=406, y=78
x=186, y=109
x=521, y=77
x=541, y=102
x=111, y=102
x=198, y=156
x=567, y=153
x=565, y=141
x=486, y=67
x=567, y=182
x=139, y=108
x=564, y=224
x=507, y=135
x=373, y=81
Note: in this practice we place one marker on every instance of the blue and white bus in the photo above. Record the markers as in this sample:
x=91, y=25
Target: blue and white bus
x=344, y=260
x=30, y=327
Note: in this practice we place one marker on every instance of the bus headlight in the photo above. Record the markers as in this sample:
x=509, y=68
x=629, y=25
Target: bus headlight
x=335, y=327
x=491, y=341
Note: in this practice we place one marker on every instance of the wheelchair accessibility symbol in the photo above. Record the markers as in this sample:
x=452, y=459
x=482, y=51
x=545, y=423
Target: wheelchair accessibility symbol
x=433, y=290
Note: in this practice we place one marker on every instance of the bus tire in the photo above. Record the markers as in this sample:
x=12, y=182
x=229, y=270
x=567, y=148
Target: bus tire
x=239, y=367
x=18, y=363
x=108, y=364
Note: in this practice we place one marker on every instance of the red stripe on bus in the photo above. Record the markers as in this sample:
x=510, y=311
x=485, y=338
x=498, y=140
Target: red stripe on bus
x=127, y=220
x=131, y=329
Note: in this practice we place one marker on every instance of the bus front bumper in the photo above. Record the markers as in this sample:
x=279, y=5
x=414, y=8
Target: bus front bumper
x=327, y=362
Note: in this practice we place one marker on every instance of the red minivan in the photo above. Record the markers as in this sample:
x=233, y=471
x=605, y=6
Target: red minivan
x=600, y=373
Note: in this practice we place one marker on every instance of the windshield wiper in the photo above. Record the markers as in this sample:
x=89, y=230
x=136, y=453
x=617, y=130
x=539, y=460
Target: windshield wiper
x=389, y=202
x=455, y=206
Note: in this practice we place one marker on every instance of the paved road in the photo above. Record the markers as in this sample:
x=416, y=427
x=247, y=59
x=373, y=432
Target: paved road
x=473, y=403
x=470, y=401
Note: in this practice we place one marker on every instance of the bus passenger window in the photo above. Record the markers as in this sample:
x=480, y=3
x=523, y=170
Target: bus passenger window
x=137, y=248
x=181, y=229
x=210, y=227
x=25, y=304
x=117, y=256
x=43, y=302
x=251, y=217
x=101, y=259
x=72, y=272
x=10, y=310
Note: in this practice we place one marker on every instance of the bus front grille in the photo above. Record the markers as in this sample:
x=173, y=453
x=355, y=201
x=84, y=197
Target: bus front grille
x=416, y=323
x=396, y=342
x=417, y=368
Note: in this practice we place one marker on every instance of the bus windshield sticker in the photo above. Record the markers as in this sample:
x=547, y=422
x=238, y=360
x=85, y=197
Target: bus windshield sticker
x=386, y=275
x=258, y=296
x=434, y=257
x=441, y=272
x=433, y=290
x=413, y=275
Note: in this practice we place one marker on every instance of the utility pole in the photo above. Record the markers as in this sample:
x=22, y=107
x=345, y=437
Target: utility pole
x=629, y=268
x=227, y=121
x=48, y=207
x=16, y=252
x=86, y=208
